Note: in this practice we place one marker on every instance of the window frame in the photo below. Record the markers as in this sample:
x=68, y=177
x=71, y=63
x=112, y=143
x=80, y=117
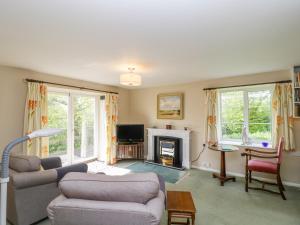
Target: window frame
x=245, y=90
x=70, y=127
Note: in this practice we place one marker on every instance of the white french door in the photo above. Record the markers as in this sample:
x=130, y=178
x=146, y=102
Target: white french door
x=78, y=113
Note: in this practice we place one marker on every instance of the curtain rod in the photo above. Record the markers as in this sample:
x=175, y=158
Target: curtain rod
x=70, y=86
x=244, y=85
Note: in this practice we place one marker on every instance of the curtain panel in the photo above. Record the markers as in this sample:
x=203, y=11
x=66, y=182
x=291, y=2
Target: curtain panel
x=111, y=106
x=35, y=118
x=211, y=120
x=282, y=111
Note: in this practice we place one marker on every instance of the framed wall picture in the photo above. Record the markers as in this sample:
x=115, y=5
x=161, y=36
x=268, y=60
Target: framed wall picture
x=170, y=106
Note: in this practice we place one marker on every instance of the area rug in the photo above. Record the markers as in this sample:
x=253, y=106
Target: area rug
x=170, y=175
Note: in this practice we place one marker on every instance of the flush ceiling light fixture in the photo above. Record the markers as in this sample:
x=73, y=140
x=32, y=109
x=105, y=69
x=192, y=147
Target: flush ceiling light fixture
x=131, y=78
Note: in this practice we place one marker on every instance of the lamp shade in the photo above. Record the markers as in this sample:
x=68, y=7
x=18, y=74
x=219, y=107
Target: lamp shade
x=130, y=79
x=46, y=132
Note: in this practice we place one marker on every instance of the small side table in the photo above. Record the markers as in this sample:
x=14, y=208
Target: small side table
x=180, y=205
x=223, y=149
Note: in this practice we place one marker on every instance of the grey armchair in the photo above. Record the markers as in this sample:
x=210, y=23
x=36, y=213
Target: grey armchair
x=33, y=185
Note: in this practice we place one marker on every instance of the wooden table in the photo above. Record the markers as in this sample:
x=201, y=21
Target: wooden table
x=223, y=149
x=180, y=205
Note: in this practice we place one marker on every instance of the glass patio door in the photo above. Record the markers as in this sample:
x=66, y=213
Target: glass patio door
x=58, y=111
x=78, y=115
x=84, y=120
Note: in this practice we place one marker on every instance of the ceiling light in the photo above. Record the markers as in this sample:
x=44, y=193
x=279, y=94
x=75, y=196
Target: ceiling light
x=131, y=78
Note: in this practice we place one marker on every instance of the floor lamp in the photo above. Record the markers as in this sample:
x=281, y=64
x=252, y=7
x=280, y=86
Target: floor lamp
x=5, y=165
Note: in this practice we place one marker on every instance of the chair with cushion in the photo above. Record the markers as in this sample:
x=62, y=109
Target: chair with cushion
x=33, y=185
x=267, y=162
x=98, y=199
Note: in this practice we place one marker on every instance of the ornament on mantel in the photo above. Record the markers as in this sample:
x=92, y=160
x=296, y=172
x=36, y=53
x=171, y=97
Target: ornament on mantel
x=169, y=127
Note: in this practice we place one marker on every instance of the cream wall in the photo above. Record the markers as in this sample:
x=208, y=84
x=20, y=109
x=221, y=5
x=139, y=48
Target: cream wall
x=13, y=91
x=143, y=110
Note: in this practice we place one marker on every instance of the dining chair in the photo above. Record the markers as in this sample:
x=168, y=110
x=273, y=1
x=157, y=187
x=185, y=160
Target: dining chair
x=267, y=162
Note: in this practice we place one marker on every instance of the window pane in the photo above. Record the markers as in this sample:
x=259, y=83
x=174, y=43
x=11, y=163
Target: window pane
x=232, y=114
x=260, y=115
x=232, y=131
x=84, y=120
x=58, y=118
x=260, y=106
x=260, y=132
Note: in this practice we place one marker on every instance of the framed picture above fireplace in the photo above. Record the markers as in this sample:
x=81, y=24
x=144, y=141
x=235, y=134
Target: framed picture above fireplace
x=170, y=106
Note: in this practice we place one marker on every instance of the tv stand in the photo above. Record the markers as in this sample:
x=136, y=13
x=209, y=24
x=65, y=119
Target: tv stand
x=130, y=150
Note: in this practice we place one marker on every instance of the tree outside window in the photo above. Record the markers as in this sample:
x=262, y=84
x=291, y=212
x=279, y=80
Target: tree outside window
x=245, y=107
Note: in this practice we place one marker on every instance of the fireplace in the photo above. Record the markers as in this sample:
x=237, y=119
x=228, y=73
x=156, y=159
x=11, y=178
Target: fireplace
x=168, y=151
x=185, y=144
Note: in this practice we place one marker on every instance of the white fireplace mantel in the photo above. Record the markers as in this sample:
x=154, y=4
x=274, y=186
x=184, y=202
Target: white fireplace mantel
x=185, y=135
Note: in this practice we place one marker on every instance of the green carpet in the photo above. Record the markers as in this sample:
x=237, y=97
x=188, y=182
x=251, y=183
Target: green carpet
x=170, y=175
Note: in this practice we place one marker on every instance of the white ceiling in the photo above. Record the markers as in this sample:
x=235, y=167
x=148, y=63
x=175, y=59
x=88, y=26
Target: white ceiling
x=169, y=41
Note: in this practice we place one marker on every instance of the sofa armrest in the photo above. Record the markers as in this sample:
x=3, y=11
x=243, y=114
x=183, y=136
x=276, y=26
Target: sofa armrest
x=162, y=185
x=51, y=163
x=156, y=206
x=62, y=171
x=31, y=179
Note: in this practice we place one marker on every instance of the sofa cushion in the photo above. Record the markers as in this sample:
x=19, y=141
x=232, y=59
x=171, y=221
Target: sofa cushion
x=79, y=167
x=24, y=163
x=66, y=211
x=139, y=188
x=32, y=179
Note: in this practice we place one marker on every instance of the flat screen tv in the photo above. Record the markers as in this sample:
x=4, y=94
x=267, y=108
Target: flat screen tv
x=130, y=133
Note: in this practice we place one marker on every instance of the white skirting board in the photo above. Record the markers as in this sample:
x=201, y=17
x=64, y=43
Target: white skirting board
x=291, y=184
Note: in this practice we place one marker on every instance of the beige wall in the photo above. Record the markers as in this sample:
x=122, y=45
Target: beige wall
x=13, y=94
x=143, y=110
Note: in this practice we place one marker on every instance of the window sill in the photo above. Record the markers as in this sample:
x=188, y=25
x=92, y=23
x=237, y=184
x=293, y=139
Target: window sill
x=239, y=144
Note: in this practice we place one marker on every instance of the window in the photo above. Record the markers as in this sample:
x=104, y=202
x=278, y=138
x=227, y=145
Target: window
x=79, y=114
x=249, y=107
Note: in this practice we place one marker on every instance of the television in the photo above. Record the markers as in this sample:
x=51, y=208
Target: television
x=130, y=133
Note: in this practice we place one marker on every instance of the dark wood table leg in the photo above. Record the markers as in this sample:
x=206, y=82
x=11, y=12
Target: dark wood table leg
x=169, y=218
x=222, y=176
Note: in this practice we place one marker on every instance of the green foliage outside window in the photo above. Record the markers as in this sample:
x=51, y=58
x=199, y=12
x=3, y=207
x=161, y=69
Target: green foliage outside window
x=259, y=114
x=58, y=118
x=84, y=111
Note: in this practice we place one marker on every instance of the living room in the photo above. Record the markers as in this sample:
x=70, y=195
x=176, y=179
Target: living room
x=162, y=112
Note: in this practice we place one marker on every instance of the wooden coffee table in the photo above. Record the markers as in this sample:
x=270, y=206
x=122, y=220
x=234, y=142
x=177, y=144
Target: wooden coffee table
x=180, y=205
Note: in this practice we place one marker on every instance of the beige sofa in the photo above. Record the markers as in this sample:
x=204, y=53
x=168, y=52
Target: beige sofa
x=97, y=199
x=33, y=185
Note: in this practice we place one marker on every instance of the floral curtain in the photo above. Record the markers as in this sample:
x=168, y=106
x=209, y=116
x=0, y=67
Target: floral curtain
x=36, y=117
x=111, y=105
x=282, y=111
x=211, y=121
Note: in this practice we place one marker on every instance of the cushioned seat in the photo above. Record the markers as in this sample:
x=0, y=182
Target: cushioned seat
x=262, y=166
